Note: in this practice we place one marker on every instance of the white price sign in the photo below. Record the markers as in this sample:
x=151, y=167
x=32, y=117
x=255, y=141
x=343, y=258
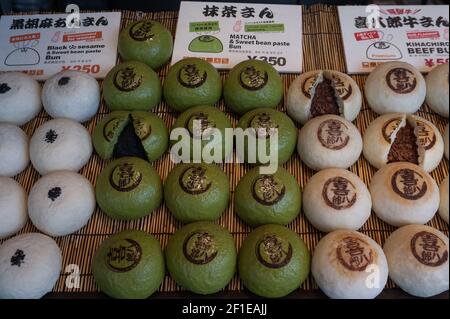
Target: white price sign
x=376, y=34
x=225, y=34
x=45, y=44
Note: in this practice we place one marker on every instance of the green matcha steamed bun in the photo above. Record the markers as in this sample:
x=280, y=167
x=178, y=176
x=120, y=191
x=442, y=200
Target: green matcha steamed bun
x=191, y=82
x=132, y=86
x=267, y=198
x=129, y=265
x=210, y=120
x=135, y=134
x=273, y=261
x=264, y=122
x=201, y=257
x=128, y=188
x=146, y=41
x=252, y=84
x=196, y=192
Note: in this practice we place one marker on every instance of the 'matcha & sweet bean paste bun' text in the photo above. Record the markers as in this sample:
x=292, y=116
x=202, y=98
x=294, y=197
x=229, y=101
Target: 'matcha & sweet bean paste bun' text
x=60, y=144
x=273, y=261
x=131, y=134
x=252, y=84
x=349, y=265
x=317, y=93
x=129, y=265
x=192, y=82
x=395, y=87
x=146, y=41
x=132, y=86
x=418, y=260
x=399, y=137
x=336, y=199
x=329, y=141
x=437, y=90
x=201, y=257
x=13, y=207
x=403, y=193
x=14, y=150
x=128, y=188
x=265, y=123
x=61, y=203
x=444, y=204
x=196, y=192
x=267, y=198
x=71, y=94
x=202, y=122
x=30, y=265
x=20, y=98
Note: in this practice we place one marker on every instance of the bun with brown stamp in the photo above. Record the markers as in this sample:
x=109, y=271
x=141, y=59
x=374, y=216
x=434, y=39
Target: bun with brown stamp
x=336, y=199
x=131, y=133
x=400, y=137
x=437, y=90
x=418, y=260
x=322, y=92
x=329, y=141
x=403, y=194
x=395, y=87
x=349, y=265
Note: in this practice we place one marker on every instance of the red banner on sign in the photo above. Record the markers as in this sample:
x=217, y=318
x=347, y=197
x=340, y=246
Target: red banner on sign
x=82, y=36
x=423, y=35
x=369, y=35
x=25, y=37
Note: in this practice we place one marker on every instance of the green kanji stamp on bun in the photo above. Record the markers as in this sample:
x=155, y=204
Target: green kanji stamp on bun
x=252, y=84
x=266, y=122
x=273, y=261
x=192, y=82
x=262, y=199
x=146, y=41
x=196, y=192
x=211, y=121
x=129, y=265
x=128, y=188
x=201, y=257
x=132, y=86
x=133, y=134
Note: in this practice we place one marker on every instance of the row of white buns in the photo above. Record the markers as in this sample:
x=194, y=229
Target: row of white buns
x=69, y=94
x=392, y=87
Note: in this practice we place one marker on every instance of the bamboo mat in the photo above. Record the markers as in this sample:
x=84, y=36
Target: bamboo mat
x=323, y=49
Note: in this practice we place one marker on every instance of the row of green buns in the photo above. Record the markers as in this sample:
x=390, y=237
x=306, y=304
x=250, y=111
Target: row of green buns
x=146, y=46
x=202, y=258
x=133, y=85
x=145, y=135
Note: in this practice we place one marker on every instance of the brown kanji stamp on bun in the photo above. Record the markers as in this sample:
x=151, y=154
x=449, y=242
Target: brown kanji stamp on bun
x=403, y=193
x=336, y=199
x=343, y=265
x=395, y=87
x=329, y=141
x=418, y=260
